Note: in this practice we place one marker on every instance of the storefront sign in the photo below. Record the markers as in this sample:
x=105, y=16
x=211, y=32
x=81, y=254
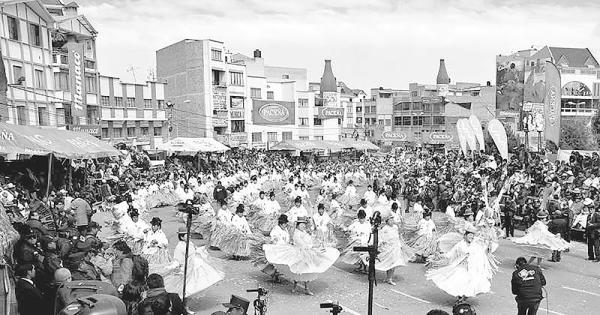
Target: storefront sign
x=240, y=137
x=237, y=114
x=330, y=112
x=393, y=136
x=76, y=79
x=93, y=130
x=438, y=136
x=219, y=98
x=273, y=112
x=219, y=122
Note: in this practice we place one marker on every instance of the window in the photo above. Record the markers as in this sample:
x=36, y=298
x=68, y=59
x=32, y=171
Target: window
x=42, y=116
x=35, y=35
x=157, y=131
x=285, y=76
x=417, y=106
x=17, y=73
x=318, y=137
x=340, y=121
x=303, y=121
x=90, y=84
x=270, y=95
x=359, y=109
x=302, y=102
x=13, y=28
x=160, y=104
x=303, y=138
x=414, y=93
x=130, y=102
x=104, y=101
x=406, y=106
x=318, y=122
x=60, y=116
x=272, y=136
x=90, y=64
x=439, y=120
x=145, y=131
x=131, y=131
x=104, y=132
x=61, y=81
x=397, y=121
x=388, y=122
x=216, y=55
x=237, y=78
x=39, y=82
x=257, y=137
x=475, y=93
x=117, y=132
x=217, y=77
x=22, y=115
x=406, y=121
x=236, y=102
x=119, y=101
x=359, y=120
x=286, y=135
x=147, y=103
x=238, y=126
x=255, y=93
x=417, y=121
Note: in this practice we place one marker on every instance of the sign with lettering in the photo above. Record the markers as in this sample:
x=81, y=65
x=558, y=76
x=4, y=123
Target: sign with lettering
x=273, y=112
x=77, y=81
x=93, y=130
x=440, y=136
x=393, y=136
x=219, y=122
x=330, y=112
x=237, y=113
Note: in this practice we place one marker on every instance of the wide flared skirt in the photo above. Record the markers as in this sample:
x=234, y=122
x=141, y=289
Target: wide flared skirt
x=456, y=280
x=201, y=274
x=541, y=238
x=300, y=264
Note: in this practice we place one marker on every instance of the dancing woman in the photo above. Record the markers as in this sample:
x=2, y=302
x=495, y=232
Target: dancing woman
x=539, y=242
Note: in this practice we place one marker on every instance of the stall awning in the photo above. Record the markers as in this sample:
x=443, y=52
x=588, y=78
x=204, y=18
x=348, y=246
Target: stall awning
x=333, y=146
x=16, y=139
x=192, y=145
x=359, y=144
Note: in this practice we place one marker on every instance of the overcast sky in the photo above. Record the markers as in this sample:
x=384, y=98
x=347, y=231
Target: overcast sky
x=371, y=43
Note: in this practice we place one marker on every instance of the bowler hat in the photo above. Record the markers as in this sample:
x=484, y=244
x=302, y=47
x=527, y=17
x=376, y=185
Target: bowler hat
x=182, y=230
x=238, y=302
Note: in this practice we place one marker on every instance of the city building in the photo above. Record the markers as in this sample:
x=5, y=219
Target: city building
x=26, y=44
x=131, y=113
x=378, y=112
x=204, y=84
x=428, y=115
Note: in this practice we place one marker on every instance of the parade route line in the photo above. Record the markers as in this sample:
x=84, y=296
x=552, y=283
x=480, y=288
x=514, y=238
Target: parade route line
x=581, y=291
x=410, y=296
x=382, y=306
x=551, y=312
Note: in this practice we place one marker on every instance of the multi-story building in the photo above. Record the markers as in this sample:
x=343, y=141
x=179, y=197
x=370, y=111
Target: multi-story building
x=203, y=84
x=428, y=115
x=74, y=65
x=379, y=112
x=26, y=44
x=131, y=113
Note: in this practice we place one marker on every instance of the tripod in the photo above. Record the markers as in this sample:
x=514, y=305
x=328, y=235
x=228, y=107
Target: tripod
x=373, y=251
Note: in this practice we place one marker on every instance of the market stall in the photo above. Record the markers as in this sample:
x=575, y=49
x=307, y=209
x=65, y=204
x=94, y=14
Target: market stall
x=192, y=146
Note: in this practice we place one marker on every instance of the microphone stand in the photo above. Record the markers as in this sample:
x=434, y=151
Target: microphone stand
x=373, y=250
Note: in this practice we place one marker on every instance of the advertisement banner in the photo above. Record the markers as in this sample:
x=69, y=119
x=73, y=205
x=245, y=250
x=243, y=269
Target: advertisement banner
x=510, y=80
x=552, y=103
x=271, y=112
x=330, y=112
x=237, y=113
x=393, y=136
x=77, y=80
x=220, y=122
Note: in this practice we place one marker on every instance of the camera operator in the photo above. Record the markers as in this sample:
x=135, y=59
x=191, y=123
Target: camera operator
x=527, y=282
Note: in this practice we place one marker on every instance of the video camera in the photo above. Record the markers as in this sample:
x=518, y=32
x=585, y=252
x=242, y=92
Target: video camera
x=260, y=291
x=188, y=207
x=335, y=307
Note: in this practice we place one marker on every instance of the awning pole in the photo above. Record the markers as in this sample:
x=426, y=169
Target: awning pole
x=70, y=186
x=50, y=158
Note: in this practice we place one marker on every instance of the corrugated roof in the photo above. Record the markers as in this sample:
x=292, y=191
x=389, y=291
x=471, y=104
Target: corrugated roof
x=575, y=57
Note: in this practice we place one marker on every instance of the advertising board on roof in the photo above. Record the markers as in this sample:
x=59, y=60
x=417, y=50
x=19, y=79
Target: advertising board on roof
x=273, y=112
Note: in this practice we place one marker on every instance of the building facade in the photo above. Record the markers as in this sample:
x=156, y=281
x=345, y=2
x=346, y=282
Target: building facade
x=379, y=111
x=134, y=114
x=428, y=115
x=26, y=44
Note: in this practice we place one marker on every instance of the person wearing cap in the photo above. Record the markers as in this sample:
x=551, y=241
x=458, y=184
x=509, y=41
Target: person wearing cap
x=159, y=301
x=526, y=284
x=236, y=306
x=83, y=267
x=424, y=242
x=466, y=270
x=322, y=226
x=26, y=250
x=392, y=251
x=237, y=242
x=83, y=213
x=558, y=225
x=592, y=232
x=298, y=210
x=201, y=273
x=538, y=240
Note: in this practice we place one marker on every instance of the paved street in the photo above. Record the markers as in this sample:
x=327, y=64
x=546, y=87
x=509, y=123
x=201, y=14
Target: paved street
x=573, y=285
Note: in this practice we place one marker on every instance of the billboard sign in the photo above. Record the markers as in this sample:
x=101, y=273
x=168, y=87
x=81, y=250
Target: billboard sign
x=273, y=112
x=330, y=112
x=510, y=80
x=393, y=136
x=440, y=136
x=93, y=130
x=552, y=103
x=237, y=114
x=77, y=80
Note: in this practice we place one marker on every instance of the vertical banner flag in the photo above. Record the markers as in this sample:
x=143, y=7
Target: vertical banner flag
x=552, y=103
x=462, y=137
x=498, y=134
x=77, y=81
x=476, y=126
x=470, y=135
x=3, y=89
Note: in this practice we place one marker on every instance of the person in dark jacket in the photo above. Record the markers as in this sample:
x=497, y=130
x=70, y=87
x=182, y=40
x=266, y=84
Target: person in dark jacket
x=220, y=193
x=557, y=225
x=29, y=298
x=527, y=282
x=592, y=233
x=159, y=300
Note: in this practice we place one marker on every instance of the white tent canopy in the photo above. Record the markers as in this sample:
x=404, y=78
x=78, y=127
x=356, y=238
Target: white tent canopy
x=192, y=145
